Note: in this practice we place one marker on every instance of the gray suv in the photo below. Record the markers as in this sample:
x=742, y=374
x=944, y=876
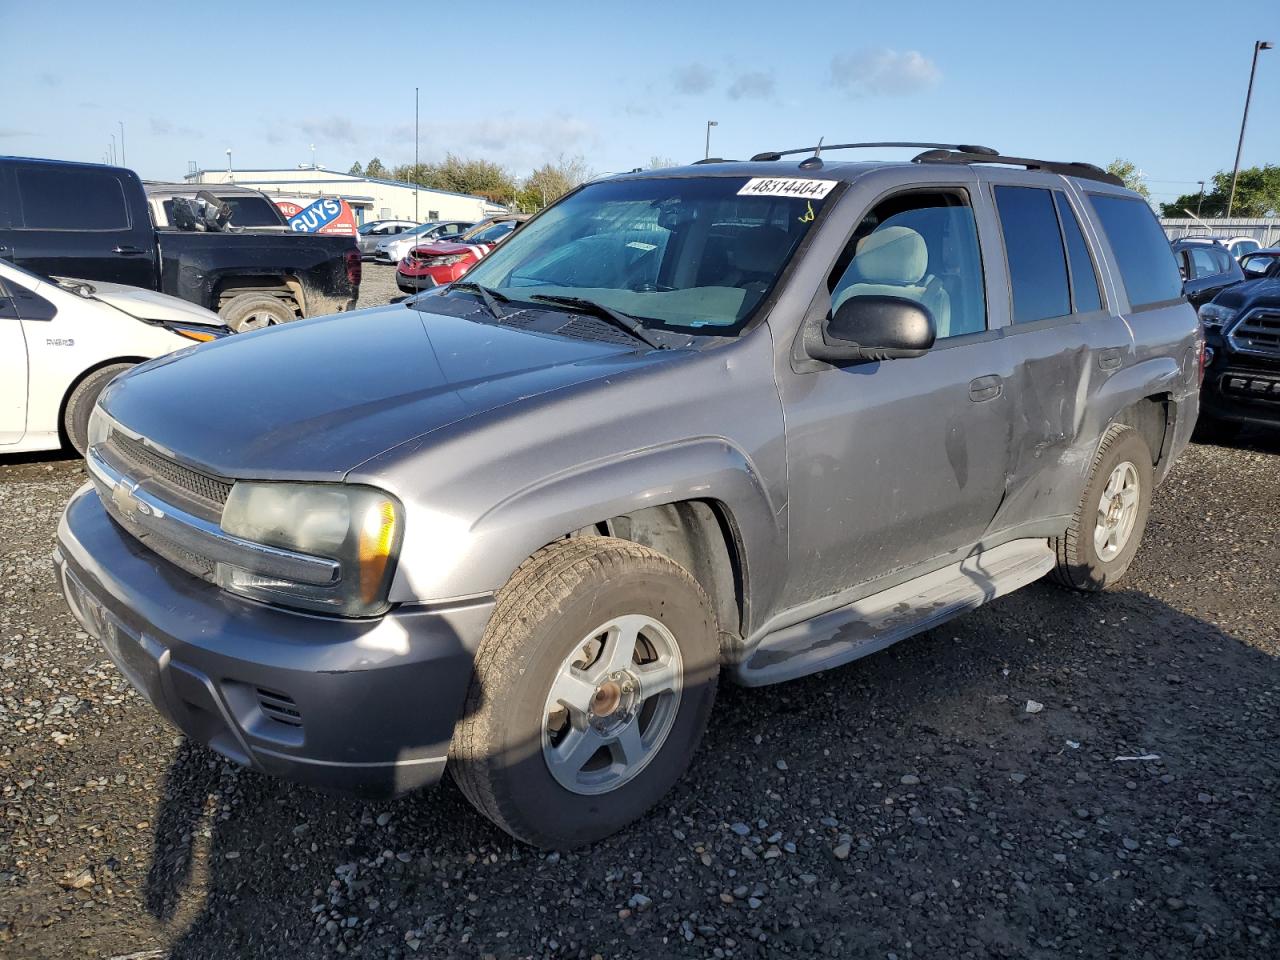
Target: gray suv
x=749, y=420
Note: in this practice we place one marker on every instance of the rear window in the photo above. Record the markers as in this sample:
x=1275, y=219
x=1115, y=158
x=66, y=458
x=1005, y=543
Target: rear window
x=66, y=198
x=1033, y=245
x=1147, y=267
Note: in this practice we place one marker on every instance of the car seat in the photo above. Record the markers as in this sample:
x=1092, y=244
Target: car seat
x=894, y=262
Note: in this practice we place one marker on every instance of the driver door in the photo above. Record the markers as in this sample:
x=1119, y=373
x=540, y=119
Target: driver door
x=894, y=463
x=13, y=371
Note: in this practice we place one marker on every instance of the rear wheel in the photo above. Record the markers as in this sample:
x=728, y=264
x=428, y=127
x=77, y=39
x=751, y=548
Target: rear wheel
x=254, y=311
x=75, y=418
x=592, y=688
x=1107, y=527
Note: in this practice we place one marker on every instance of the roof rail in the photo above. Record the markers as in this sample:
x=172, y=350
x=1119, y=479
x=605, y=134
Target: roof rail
x=1072, y=168
x=822, y=147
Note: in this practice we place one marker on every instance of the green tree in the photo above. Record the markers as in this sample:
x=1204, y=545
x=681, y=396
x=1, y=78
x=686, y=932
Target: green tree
x=1257, y=195
x=551, y=181
x=657, y=163
x=482, y=178
x=1131, y=175
x=376, y=169
x=356, y=170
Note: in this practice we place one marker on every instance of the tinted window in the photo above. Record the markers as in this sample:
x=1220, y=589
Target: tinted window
x=1245, y=246
x=921, y=247
x=253, y=212
x=1084, y=281
x=1204, y=263
x=63, y=198
x=1033, y=245
x=1142, y=253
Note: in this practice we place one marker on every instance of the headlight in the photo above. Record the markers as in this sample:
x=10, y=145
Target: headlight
x=359, y=527
x=1216, y=315
x=447, y=261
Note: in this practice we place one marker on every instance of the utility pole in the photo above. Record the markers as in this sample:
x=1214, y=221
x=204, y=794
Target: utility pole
x=230, y=174
x=313, y=156
x=1200, y=202
x=707, y=153
x=113, y=149
x=122, y=160
x=1258, y=47
x=415, y=156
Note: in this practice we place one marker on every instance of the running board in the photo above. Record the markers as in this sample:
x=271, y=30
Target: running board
x=873, y=623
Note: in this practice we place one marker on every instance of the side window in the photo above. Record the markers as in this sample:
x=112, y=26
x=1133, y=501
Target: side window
x=1204, y=263
x=920, y=246
x=1142, y=253
x=1084, y=278
x=1246, y=246
x=68, y=198
x=1033, y=246
x=1222, y=259
x=433, y=214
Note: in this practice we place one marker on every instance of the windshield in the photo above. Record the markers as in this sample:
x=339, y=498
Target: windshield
x=678, y=252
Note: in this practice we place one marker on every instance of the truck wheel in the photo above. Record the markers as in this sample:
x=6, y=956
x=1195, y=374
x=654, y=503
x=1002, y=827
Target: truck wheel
x=254, y=311
x=1107, y=527
x=75, y=418
x=591, y=690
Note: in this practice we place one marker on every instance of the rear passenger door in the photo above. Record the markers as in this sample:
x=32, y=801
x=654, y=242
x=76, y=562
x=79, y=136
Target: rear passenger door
x=1063, y=339
x=73, y=220
x=1211, y=271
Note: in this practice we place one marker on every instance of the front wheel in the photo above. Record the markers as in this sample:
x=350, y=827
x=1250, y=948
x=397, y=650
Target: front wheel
x=1107, y=527
x=592, y=688
x=75, y=418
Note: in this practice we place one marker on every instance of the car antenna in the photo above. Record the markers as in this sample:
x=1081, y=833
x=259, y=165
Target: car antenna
x=814, y=162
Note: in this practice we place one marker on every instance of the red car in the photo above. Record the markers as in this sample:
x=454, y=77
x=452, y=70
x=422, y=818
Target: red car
x=436, y=264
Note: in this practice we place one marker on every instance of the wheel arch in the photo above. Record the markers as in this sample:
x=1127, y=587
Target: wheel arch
x=81, y=378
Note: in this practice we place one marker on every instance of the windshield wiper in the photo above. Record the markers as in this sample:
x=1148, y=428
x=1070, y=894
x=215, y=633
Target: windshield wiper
x=623, y=321
x=490, y=296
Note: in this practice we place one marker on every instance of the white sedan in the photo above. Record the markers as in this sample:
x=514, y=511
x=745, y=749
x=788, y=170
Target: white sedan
x=61, y=342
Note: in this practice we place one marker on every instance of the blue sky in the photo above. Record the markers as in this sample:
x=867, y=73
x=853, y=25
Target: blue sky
x=1155, y=82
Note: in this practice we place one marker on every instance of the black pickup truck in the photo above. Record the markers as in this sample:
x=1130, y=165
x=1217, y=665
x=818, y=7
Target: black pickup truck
x=93, y=222
x=1242, y=355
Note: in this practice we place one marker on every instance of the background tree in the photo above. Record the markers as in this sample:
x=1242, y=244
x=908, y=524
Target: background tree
x=551, y=181
x=482, y=178
x=356, y=170
x=657, y=163
x=376, y=169
x=1131, y=175
x=1257, y=195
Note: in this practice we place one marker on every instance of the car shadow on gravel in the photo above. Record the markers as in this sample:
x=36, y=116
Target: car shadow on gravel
x=1053, y=774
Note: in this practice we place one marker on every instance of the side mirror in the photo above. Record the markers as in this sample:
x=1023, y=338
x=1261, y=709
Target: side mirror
x=876, y=328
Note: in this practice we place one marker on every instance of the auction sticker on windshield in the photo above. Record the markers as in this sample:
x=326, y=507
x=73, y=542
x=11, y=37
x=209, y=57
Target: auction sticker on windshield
x=787, y=187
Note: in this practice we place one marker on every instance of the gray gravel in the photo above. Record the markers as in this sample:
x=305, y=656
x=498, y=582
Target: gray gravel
x=377, y=285
x=905, y=806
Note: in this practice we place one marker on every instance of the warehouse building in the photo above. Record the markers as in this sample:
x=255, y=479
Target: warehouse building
x=372, y=198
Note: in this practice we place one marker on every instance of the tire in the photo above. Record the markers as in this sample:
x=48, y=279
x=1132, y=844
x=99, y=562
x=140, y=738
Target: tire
x=1096, y=550
x=553, y=609
x=75, y=417
x=254, y=311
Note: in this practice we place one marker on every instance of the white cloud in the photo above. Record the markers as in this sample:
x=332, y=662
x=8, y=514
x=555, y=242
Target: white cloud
x=6, y=132
x=884, y=72
x=755, y=85
x=334, y=129
x=692, y=78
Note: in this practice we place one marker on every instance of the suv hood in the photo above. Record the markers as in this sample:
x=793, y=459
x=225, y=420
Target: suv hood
x=314, y=398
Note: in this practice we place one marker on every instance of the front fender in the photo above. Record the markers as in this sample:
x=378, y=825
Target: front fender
x=456, y=559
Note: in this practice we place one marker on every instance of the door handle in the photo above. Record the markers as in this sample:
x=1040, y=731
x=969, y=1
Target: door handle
x=128, y=251
x=1110, y=359
x=985, y=388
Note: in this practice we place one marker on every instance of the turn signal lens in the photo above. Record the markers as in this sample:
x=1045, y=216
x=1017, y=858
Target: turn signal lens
x=377, y=538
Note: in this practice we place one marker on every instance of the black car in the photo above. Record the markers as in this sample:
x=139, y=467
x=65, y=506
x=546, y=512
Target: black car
x=89, y=221
x=1207, y=269
x=1242, y=356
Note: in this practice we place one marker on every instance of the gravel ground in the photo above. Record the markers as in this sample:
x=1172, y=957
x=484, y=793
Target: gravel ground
x=908, y=805
x=377, y=285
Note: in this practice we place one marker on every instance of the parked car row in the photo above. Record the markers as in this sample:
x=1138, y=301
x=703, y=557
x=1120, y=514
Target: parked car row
x=394, y=249
x=444, y=261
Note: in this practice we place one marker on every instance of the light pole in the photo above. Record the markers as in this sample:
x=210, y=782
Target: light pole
x=230, y=176
x=313, y=156
x=1258, y=47
x=707, y=153
x=122, y=161
x=415, y=156
x=113, y=149
x=1200, y=202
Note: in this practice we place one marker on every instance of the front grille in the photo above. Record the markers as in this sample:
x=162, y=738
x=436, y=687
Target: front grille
x=1258, y=332
x=143, y=463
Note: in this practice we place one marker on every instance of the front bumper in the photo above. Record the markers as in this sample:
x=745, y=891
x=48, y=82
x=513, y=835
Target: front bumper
x=1245, y=393
x=356, y=706
x=413, y=284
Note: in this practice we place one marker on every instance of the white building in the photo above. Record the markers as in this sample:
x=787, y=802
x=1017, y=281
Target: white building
x=372, y=198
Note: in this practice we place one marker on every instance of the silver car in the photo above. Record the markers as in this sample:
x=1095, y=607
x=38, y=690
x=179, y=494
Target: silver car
x=394, y=249
x=374, y=232
x=737, y=421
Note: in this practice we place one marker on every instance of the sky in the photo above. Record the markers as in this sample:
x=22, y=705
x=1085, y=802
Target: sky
x=620, y=83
